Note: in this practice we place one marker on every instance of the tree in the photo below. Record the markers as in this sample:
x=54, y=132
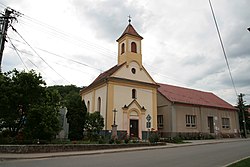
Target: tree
x=93, y=125
x=19, y=91
x=76, y=115
x=25, y=98
x=243, y=115
x=65, y=92
x=43, y=118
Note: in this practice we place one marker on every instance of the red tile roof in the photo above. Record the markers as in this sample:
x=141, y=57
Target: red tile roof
x=104, y=76
x=193, y=97
x=131, y=31
x=107, y=73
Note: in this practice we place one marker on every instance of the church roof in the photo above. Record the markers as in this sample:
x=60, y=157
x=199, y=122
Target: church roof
x=131, y=31
x=107, y=73
x=103, y=76
x=193, y=97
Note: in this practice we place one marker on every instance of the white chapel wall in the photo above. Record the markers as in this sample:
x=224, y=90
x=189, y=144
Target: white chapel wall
x=123, y=96
x=140, y=74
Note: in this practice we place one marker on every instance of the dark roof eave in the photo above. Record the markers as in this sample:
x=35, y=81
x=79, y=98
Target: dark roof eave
x=200, y=105
x=129, y=34
x=97, y=83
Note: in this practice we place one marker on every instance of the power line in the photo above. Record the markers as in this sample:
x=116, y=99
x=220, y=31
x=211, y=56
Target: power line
x=64, y=35
x=15, y=48
x=55, y=54
x=18, y=53
x=223, y=48
x=39, y=55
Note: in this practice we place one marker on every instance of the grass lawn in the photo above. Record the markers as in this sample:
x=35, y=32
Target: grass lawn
x=242, y=163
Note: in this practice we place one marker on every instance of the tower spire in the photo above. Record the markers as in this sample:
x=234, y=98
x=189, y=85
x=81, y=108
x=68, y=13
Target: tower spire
x=129, y=19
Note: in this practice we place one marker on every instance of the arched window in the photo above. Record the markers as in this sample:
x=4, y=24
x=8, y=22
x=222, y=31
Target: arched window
x=123, y=48
x=99, y=105
x=133, y=93
x=133, y=47
x=88, y=106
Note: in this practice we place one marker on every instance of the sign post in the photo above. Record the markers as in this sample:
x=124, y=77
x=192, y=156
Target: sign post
x=148, y=124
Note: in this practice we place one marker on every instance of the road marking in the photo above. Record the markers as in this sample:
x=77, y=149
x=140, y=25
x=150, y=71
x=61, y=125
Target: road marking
x=236, y=161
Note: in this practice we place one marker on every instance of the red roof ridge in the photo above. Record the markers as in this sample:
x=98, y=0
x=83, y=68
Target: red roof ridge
x=191, y=96
x=131, y=31
x=186, y=88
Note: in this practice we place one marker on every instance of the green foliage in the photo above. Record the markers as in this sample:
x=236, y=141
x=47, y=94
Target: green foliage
x=93, y=125
x=124, y=137
x=42, y=122
x=154, y=137
x=27, y=105
x=243, y=109
x=76, y=114
x=66, y=92
x=176, y=139
x=242, y=163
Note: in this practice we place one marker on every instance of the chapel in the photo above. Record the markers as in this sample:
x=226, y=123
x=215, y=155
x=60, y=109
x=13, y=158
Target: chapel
x=128, y=98
x=125, y=94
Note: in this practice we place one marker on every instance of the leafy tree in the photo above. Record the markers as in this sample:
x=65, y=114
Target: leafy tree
x=76, y=115
x=65, y=92
x=27, y=105
x=243, y=110
x=19, y=91
x=93, y=125
x=42, y=123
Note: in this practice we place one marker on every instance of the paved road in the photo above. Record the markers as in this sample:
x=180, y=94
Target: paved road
x=211, y=155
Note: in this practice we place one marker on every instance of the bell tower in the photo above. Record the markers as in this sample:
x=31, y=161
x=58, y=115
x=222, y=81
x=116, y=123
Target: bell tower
x=129, y=46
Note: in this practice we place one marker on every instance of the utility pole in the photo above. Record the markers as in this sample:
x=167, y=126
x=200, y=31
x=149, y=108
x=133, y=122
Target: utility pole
x=5, y=21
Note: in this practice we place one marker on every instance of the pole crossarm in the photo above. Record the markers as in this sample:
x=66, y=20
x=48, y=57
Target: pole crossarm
x=5, y=22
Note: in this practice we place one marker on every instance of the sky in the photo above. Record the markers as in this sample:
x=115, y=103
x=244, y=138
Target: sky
x=73, y=41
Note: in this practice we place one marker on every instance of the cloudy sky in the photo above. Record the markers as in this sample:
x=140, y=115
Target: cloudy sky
x=73, y=41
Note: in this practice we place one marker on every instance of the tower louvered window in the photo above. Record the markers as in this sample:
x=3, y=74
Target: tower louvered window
x=133, y=47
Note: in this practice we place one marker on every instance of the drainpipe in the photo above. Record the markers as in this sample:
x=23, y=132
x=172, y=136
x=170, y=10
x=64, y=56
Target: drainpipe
x=201, y=120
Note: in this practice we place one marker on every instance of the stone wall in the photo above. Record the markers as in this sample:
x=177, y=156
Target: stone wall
x=67, y=147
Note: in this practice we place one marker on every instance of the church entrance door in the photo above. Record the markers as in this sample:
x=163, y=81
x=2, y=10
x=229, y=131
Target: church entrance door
x=133, y=128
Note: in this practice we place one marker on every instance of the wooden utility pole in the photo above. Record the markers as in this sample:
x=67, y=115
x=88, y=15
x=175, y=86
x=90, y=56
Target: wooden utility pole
x=4, y=28
x=5, y=21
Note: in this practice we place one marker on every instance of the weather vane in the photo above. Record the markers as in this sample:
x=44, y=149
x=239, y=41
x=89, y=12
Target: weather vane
x=129, y=19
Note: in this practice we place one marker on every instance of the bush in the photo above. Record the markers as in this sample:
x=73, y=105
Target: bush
x=153, y=138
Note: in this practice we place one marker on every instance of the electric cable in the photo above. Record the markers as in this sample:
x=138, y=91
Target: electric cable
x=17, y=53
x=39, y=55
x=223, y=48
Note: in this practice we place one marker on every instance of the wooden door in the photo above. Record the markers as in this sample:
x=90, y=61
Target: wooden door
x=133, y=128
x=210, y=121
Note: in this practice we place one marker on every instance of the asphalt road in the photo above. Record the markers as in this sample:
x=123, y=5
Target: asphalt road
x=211, y=155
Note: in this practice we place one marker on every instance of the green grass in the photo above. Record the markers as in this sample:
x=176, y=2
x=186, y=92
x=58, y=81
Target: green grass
x=242, y=163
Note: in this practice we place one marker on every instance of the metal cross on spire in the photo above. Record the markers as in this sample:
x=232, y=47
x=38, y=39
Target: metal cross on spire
x=129, y=19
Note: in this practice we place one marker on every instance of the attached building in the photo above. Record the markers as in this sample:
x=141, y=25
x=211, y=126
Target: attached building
x=189, y=112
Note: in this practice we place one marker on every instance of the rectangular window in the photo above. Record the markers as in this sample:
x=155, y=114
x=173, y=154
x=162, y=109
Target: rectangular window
x=190, y=120
x=225, y=123
x=160, y=121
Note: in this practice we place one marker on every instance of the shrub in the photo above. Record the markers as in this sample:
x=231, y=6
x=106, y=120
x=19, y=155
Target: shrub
x=153, y=138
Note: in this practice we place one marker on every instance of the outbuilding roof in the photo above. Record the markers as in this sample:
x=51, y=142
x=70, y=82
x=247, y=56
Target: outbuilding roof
x=193, y=97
